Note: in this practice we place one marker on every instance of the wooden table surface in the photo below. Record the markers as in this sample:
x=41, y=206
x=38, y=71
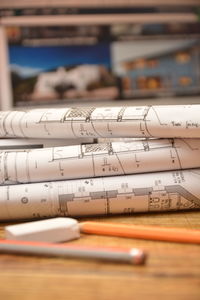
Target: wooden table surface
x=172, y=269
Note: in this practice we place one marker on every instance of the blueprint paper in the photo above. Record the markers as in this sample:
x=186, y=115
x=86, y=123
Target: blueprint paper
x=159, y=191
x=96, y=160
x=144, y=121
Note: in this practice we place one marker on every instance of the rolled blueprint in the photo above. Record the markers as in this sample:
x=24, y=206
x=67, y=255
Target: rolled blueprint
x=96, y=160
x=144, y=121
x=159, y=191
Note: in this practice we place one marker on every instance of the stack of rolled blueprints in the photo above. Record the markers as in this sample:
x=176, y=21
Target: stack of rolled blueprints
x=142, y=159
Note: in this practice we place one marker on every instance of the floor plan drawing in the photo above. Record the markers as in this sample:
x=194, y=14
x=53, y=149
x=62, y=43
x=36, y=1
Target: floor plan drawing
x=159, y=191
x=167, y=121
x=96, y=160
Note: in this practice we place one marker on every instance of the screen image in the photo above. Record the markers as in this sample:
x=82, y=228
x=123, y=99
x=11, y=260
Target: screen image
x=116, y=61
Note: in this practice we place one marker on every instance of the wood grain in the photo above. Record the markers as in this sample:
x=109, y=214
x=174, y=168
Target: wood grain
x=172, y=269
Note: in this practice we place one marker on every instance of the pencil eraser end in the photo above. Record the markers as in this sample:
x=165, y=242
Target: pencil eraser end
x=51, y=230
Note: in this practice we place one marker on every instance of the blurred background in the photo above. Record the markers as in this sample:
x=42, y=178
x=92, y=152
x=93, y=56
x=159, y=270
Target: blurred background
x=99, y=52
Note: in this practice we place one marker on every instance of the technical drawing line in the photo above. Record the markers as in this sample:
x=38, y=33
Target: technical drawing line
x=145, y=120
x=179, y=160
x=188, y=144
x=157, y=115
x=121, y=165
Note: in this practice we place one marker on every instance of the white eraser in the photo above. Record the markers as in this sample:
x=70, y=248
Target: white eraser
x=51, y=230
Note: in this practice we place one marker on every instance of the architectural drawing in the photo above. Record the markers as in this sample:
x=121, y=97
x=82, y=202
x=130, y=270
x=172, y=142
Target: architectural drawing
x=143, y=121
x=159, y=191
x=95, y=160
